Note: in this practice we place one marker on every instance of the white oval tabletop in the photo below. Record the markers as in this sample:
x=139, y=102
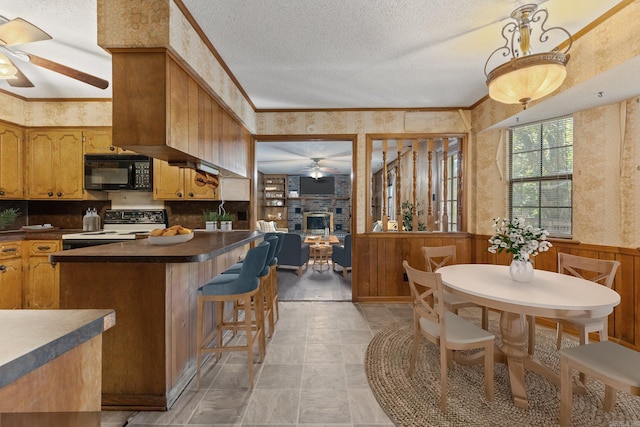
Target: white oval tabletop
x=549, y=294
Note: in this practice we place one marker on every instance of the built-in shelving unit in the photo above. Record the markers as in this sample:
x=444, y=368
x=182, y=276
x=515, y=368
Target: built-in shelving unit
x=274, y=206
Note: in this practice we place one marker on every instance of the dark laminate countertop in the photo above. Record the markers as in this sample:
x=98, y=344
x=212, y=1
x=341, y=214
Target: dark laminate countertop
x=11, y=236
x=31, y=338
x=204, y=245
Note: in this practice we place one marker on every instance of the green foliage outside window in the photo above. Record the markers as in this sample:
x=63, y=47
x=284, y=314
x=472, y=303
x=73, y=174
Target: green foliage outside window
x=541, y=174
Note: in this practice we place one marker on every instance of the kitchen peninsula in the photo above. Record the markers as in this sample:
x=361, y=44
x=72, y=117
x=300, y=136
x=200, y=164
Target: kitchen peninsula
x=149, y=358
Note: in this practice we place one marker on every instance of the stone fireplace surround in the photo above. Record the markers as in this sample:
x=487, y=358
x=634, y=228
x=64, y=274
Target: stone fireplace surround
x=339, y=205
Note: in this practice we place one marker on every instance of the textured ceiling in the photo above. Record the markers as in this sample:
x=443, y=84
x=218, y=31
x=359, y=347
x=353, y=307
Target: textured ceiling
x=368, y=53
x=314, y=54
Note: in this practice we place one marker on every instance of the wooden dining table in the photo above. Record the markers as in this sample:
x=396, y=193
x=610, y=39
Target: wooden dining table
x=549, y=294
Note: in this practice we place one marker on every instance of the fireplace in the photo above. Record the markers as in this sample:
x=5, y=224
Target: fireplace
x=314, y=222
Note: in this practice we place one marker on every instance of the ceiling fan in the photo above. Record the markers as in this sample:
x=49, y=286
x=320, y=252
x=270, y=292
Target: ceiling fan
x=316, y=171
x=19, y=31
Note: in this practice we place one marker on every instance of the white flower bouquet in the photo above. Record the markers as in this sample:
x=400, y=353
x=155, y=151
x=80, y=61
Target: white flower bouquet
x=518, y=238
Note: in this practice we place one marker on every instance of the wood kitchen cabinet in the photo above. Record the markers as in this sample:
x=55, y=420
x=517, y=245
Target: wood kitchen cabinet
x=41, y=288
x=99, y=141
x=174, y=183
x=11, y=162
x=55, y=164
x=10, y=275
x=173, y=117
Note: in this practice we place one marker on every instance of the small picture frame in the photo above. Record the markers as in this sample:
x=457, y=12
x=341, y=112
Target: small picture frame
x=293, y=193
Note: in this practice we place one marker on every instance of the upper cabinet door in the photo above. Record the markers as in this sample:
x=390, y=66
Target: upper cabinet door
x=55, y=165
x=11, y=161
x=70, y=166
x=99, y=141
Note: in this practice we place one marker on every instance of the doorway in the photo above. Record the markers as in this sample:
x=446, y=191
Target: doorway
x=318, y=179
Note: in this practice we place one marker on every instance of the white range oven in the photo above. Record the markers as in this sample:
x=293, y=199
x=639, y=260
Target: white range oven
x=120, y=225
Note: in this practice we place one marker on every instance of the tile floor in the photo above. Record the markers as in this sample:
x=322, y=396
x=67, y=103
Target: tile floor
x=313, y=374
x=314, y=285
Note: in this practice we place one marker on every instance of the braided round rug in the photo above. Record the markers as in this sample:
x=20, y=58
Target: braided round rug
x=415, y=401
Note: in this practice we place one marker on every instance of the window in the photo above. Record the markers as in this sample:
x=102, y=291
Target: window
x=452, y=179
x=541, y=173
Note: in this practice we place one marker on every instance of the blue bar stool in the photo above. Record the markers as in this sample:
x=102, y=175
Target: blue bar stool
x=265, y=284
x=274, y=275
x=243, y=287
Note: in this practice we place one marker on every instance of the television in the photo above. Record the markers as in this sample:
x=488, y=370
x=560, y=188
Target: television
x=321, y=186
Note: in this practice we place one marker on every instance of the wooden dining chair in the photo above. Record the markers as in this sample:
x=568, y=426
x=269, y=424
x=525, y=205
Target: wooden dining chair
x=612, y=364
x=445, y=329
x=439, y=256
x=596, y=270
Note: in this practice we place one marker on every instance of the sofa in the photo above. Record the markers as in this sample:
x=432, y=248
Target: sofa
x=342, y=255
x=294, y=252
x=269, y=227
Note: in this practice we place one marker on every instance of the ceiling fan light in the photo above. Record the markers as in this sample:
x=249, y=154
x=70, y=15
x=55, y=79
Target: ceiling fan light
x=7, y=70
x=316, y=174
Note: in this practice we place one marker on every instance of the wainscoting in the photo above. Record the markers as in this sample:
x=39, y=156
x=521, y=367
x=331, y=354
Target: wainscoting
x=378, y=275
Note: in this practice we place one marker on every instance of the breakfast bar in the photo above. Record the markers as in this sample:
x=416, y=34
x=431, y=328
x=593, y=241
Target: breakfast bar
x=150, y=357
x=50, y=366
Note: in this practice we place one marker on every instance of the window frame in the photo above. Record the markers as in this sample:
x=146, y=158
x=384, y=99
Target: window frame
x=542, y=178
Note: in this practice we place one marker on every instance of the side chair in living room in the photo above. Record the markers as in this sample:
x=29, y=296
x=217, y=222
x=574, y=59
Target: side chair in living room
x=445, y=329
x=439, y=256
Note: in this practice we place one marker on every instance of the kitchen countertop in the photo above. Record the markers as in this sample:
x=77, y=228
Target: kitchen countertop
x=31, y=338
x=11, y=236
x=204, y=245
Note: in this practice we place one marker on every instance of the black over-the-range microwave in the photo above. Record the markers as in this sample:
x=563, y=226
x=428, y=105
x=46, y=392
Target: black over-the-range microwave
x=118, y=172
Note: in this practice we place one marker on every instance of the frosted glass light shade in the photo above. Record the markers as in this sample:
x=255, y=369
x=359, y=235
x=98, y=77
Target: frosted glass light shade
x=526, y=79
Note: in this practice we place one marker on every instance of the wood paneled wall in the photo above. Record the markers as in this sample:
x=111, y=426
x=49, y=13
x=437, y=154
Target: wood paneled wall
x=378, y=275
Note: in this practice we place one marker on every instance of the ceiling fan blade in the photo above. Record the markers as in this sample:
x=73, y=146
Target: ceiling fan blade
x=20, y=79
x=19, y=31
x=67, y=71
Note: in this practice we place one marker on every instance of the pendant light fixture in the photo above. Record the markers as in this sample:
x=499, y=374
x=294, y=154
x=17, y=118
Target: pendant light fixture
x=527, y=76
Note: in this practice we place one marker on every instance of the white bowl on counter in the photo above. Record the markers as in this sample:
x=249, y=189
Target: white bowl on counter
x=170, y=240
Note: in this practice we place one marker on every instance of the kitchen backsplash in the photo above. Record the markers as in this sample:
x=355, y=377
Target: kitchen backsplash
x=68, y=214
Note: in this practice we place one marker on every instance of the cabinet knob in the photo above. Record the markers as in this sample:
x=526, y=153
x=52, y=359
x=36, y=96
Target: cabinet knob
x=3, y=268
x=59, y=194
x=112, y=148
x=179, y=194
x=1, y=192
x=190, y=194
x=50, y=193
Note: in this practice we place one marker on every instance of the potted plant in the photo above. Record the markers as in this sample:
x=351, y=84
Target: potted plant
x=8, y=217
x=211, y=219
x=408, y=211
x=226, y=219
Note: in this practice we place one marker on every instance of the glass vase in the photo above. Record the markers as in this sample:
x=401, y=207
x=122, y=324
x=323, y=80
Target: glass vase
x=521, y=271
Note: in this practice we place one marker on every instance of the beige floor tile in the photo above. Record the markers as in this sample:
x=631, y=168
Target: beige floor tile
x=221, y=406
x=324, y=376
x=280, y=377
x=273, y=407
x=324, y=407
x=365, y=408
x=312, y=375
x=323, y=353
